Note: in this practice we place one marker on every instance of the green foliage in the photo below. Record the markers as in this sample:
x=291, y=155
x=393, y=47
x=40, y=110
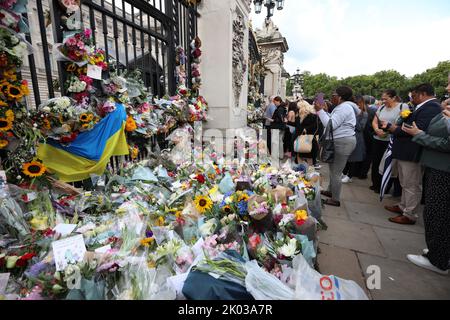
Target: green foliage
x=375, y=84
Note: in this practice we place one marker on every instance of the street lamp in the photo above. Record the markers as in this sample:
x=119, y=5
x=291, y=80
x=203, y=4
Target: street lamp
x=298, y=79
x=270, y=5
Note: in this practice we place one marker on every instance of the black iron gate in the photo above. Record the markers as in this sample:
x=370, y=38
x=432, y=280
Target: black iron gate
x=137, y=34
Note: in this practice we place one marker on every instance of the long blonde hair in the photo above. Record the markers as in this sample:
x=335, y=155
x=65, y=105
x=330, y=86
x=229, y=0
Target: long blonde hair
x=304, y=109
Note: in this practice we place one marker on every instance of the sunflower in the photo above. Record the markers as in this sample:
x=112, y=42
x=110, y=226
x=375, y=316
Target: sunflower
x=227, y=209
x=10, y=75
x=147, y=242
x=33, y=169
x=243, y=197
x=14, y=92
x=203, y=203
x=5, y=124
x=85, y=126
x=3, y=103
x=71, y=67
x=3, y=143
x=84, y=117
x=131, y=124
x=9, y=115
x=90, y=117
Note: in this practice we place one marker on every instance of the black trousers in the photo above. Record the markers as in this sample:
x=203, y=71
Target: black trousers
x=436, y=217
x=353, y=169
x=378, y=150
x=365, y=165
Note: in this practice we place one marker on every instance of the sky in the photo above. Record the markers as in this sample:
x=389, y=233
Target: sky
x=352, y=37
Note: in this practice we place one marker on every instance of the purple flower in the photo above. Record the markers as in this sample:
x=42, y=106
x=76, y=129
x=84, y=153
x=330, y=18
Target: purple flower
x=36, y=269
x=149, y=234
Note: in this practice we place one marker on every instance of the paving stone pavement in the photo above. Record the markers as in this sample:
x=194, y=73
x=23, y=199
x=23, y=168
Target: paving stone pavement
x=359, y=235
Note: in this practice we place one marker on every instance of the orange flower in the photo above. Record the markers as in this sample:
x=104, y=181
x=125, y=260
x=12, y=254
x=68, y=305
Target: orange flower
x=131, y=124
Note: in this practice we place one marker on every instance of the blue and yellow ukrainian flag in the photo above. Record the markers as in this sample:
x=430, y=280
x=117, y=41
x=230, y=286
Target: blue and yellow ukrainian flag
x=91, y=150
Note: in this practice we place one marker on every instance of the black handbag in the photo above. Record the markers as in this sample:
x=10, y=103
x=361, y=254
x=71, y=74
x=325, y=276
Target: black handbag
x=327, y=145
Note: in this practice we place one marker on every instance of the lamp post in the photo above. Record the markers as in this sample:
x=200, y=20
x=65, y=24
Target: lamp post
x=270, y=5
x=298, y=79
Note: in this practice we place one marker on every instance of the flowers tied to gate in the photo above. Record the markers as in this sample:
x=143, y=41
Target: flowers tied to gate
x=77, y=47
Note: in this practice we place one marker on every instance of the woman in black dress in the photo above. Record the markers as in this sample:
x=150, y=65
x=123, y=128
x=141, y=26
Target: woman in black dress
x=306, y=122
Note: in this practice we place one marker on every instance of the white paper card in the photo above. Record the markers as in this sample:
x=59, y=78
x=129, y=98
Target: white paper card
x=94, y=72
x=70, y=250
x=4, y=277
x=3, y=185
x=104, y=249
x=177, y=282
x=64, y=229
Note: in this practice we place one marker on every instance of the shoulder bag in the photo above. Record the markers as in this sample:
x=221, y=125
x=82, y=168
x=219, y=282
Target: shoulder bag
x=327, y=145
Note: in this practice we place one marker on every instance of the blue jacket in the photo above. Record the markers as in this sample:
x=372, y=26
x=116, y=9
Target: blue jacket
x=404, y=148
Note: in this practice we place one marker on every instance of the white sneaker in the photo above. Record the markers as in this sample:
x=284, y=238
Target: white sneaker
x=346, y=179
x=423, y=262
x=425, y=251
x=317, y=167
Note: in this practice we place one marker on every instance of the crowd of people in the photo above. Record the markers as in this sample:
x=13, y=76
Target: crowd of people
x=405, y=145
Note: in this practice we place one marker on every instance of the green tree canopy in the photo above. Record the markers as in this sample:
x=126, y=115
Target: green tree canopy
x=376, y=83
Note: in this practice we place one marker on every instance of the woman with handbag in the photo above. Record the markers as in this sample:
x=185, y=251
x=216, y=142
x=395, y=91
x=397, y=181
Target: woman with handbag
x=306, y=125
x=339, y=139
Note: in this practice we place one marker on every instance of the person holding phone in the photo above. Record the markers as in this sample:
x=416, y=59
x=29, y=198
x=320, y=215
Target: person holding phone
x=342, y=120
x=407, y=153
x=388, y=112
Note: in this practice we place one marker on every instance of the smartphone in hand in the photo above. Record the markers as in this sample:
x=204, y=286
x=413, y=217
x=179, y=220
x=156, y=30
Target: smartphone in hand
x=408, y=126
x=320, y=99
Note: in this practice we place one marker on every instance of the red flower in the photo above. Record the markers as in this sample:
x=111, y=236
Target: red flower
x=200, y=178
x=171, y=174
x=197, y=53
x=48, y=233
x=277, y=218
x=300, y=222
x=23, y=260
x=181, y=221
x=2, y=262
x=28, y=256
x=69, y=138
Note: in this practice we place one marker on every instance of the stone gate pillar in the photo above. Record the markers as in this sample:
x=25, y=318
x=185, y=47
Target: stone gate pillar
x=273, y=46
x=224, y=30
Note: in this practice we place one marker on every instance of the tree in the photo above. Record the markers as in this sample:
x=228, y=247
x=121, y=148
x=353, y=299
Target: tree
x=375, y=84
x=437, y=77
x=289, y=88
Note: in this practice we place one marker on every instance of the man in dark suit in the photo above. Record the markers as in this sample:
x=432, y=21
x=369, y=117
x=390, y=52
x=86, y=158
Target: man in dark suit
x=407, y=153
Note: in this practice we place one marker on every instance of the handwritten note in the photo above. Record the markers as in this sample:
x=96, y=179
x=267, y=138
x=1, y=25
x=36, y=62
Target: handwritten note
x=94, y=72
x=68, y=251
